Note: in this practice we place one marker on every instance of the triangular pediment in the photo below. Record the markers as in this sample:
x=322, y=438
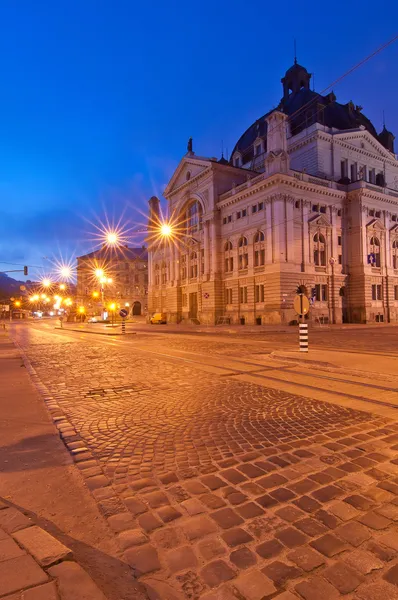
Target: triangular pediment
x=319, y=221
x=375, y=224
x=188, y=169
x=363, y=140
x=394, y=228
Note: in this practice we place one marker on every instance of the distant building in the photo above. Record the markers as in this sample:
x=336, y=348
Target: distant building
x=308, y=199
x=127, y=268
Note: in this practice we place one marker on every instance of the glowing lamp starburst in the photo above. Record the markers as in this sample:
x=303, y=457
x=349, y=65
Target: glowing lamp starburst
x=112, y=238
x=166, y=230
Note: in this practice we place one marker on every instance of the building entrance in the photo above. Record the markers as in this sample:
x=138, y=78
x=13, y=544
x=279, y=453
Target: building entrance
x=137, y=308
x=193, y=305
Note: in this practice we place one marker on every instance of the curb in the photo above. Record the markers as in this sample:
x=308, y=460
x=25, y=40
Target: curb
x=46, y=563
x=97, y=483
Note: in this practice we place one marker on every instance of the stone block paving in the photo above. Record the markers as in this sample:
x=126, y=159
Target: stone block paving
x=218, y=489
x=36, y=566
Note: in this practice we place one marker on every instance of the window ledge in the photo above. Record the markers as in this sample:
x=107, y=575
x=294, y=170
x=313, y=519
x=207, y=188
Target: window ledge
x=376, y=269
x=259, y=268
x=243, y=271
x=320, y=269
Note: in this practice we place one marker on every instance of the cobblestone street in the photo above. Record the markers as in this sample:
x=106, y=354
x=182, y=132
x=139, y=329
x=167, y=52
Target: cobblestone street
x=223, y=489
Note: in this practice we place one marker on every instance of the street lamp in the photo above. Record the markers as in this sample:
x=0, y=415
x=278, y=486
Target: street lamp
x=46, y=283
x=166, y=230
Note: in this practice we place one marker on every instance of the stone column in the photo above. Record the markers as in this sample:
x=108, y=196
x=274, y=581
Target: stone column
x=289, y=228
x=206, y=249
x=268, y=232
x=306, y=235
x=172, y=263
x=213, y=245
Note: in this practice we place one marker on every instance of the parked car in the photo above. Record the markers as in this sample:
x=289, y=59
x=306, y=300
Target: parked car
x=158, y=319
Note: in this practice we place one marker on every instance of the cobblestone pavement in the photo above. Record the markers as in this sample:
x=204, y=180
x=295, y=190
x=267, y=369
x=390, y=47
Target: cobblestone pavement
x=219, y=489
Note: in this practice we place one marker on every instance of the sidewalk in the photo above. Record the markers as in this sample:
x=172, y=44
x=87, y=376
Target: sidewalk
x=41, y=488
x=34, y=565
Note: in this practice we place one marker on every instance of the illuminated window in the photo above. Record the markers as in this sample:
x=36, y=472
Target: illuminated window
x=374, y=251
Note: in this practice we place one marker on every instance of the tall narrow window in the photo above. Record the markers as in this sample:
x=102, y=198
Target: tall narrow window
x=193, y=265
x=259, y=249
x=395, y=254
x=354, y=172
x=243, y=295
x=184, y=266
x=374, y=251
x=228, y=257
x=243, y=256
x=259, y=293
x=193, y=217
x=344, y=168
x=319, y=250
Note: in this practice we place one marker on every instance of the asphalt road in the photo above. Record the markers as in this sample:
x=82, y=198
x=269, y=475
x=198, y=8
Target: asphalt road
x=222, y=483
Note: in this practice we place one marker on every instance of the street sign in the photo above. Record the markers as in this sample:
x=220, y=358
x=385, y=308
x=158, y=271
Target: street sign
x=301, y=304
x=123, y=313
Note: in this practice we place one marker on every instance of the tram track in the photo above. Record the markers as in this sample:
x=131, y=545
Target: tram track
x=235, y=367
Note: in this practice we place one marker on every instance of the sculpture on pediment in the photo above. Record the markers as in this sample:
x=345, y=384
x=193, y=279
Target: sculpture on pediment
x=189, y=145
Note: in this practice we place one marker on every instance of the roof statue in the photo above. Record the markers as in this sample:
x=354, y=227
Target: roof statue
x=189, y=145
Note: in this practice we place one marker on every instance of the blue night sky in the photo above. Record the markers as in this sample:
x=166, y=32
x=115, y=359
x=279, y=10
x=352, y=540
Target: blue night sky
x=99, y=98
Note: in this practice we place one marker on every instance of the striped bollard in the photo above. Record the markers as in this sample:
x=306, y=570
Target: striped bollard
x=123, y=327
x=303, y=334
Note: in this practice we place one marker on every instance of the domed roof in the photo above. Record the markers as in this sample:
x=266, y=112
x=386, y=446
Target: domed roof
x=305, y=107
x=295, y=67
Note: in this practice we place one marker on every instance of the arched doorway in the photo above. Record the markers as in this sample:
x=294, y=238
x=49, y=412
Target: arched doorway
x=137, y=309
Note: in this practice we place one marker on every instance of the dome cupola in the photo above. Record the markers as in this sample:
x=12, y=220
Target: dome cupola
x=386, y=139
x=296, y=78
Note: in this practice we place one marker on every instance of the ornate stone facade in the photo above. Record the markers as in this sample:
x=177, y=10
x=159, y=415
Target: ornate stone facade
x=311, y=203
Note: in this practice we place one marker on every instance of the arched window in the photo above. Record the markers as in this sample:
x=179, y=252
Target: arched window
x=228, y=257
x=395, y=254
x=183, y=265
x=243, y=256
x=374, y=251
x=319, y=250
x=193, y=265
x=157, y=274
x=259, y=249
x=193, y=217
